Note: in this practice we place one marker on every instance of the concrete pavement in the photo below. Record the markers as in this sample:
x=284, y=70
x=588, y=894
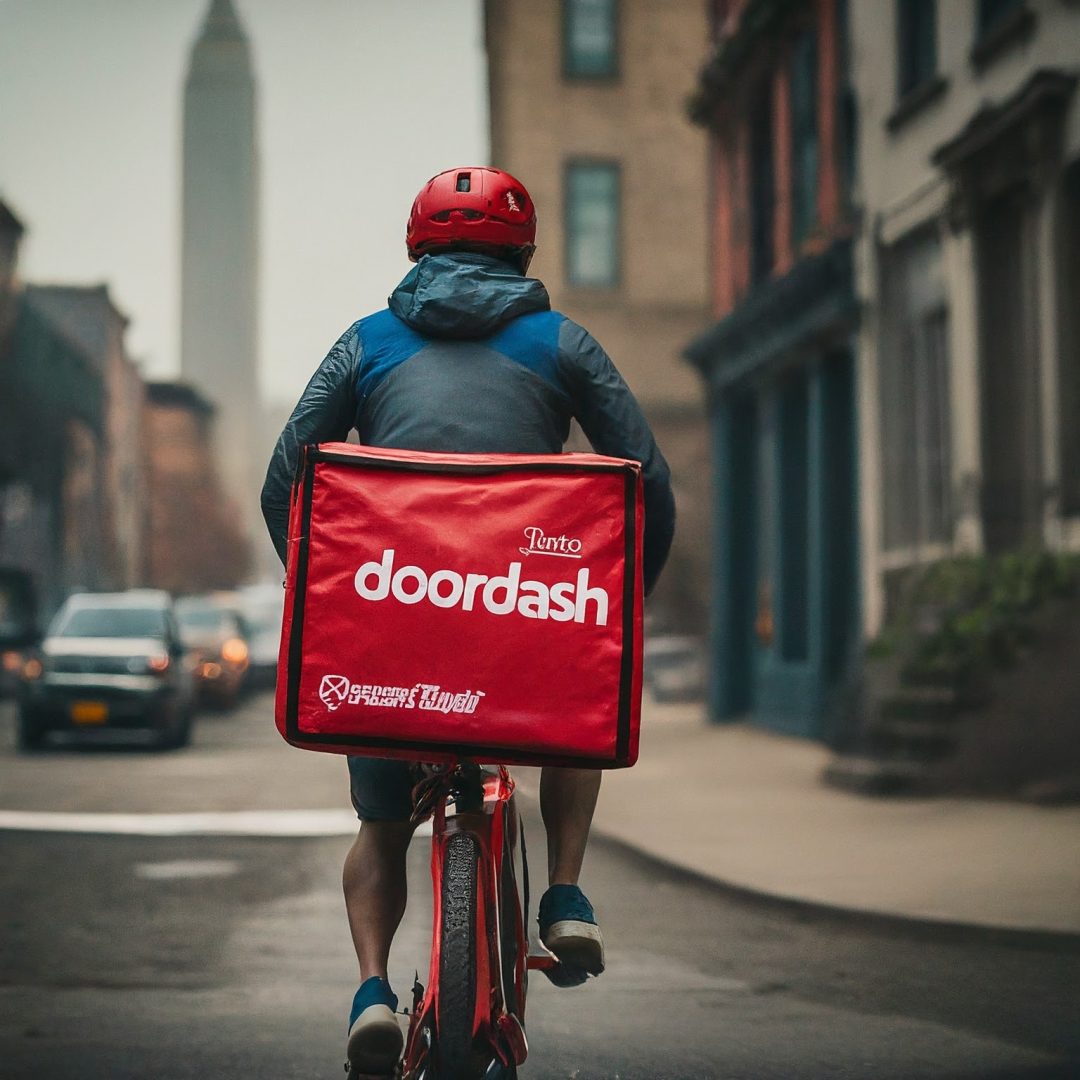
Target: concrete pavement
x=746, y=807
x=734, y=804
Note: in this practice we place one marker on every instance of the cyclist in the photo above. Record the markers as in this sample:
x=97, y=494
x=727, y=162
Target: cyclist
x=470, y=358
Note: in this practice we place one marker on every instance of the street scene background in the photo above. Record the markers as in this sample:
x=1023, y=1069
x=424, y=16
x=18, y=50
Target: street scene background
x=834, y=249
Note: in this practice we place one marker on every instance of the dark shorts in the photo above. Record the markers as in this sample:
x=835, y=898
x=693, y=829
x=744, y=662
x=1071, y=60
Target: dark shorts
x=381, y=788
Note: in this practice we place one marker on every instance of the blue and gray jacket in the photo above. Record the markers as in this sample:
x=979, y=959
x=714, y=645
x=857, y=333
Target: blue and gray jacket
x=470, y=358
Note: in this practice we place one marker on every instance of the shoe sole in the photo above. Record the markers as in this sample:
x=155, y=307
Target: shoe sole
x=576, y=944
x=375, y=1041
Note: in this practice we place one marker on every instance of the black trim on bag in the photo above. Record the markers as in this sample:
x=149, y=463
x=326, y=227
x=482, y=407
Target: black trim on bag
x=626, y=675
x=396, y=465
x=296, y=628
x=489, y=753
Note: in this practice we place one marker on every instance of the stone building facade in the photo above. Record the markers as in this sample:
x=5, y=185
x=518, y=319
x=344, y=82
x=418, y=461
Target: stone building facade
x=586, y=107
x=969, y=276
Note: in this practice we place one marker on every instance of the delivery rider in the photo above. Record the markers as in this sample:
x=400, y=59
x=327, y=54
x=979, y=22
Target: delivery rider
x=468, y=357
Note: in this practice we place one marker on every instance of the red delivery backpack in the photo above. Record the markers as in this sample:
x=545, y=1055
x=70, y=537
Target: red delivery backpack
x=477, y=606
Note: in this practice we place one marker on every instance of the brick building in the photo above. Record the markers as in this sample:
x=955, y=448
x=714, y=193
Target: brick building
x=779, y=363
x=586, y=105
x=88, y=317
x=196, y=535
x=52, y=442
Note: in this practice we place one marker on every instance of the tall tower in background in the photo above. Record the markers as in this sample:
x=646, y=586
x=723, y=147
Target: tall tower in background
x=220, y=245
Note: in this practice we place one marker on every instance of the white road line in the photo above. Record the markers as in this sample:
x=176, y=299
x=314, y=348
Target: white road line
x=226, y=823
x=186, y=868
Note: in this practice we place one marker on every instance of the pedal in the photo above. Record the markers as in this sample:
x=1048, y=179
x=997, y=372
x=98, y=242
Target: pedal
x=541, y=962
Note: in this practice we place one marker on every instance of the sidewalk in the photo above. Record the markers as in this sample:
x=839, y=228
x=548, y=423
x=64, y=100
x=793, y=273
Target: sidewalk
x=747, y=808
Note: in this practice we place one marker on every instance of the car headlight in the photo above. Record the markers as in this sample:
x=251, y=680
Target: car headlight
x=235, y=651
x=155, y=664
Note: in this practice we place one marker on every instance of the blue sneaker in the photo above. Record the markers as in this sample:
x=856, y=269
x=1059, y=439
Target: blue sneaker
x=568, y=929
x=375, y=1039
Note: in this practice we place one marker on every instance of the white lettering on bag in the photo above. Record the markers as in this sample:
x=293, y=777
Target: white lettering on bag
x=338, y=690
x=565, y=547
x=565, y=601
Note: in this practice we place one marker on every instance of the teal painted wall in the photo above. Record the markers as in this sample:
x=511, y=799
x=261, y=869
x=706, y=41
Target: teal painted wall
x=785, y=581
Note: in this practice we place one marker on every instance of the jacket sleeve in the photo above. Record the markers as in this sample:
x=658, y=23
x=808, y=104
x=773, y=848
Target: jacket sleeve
x=614, y=424
x=325, y=413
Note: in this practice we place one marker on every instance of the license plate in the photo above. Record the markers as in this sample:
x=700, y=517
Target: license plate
x=89, y=712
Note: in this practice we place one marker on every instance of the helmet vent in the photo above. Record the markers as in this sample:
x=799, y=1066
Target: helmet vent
x=464, y=181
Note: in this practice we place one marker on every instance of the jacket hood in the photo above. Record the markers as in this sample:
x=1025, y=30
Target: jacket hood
x=465, y=295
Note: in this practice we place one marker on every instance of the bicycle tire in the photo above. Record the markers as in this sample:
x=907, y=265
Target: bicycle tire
x=457, y=958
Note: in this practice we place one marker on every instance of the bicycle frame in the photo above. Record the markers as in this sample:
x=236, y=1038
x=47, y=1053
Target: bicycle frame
x=485, y=810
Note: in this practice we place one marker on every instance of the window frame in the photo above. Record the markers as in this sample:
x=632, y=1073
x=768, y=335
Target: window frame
x=569, y=167
x=918, y=506
x=908, y=79
x=1013, y=25
x=613, y=70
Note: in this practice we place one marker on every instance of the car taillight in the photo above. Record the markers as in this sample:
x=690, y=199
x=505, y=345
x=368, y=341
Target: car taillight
x=234, y=650
x=33, y=669
x=158, y=664
x=13, y=660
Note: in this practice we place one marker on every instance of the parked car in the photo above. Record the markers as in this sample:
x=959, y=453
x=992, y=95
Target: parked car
x=262, y=607
x=19, y=631
x=109, y=660
x=216, y=636
x=674, y=668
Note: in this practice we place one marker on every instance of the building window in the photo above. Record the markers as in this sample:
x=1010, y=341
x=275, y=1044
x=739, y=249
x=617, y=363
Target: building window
x=804, y=136
x=592, y=224
x=914, y=396
x=1069, y=374
x=589, y=39
x=762, y=184
x=992, y=13
x=999, y=25
x=916, y=42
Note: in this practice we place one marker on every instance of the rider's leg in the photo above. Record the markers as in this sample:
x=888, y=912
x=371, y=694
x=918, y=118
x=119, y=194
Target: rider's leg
x=375, y=891
x=567, y=801
x=567, y=923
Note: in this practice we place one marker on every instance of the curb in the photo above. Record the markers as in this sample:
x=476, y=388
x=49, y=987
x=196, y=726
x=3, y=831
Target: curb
x=924, y=927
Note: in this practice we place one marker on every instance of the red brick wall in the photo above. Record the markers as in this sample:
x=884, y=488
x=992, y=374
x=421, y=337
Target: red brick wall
x=731, y=154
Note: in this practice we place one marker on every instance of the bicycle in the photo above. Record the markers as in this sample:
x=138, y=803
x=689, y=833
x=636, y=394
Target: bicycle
x=468, y=1023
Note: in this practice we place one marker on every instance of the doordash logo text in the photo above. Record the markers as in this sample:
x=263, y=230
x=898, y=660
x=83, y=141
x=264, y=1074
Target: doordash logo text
x=502, y=594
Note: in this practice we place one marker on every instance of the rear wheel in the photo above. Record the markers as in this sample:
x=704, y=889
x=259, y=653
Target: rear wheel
x=457, y=958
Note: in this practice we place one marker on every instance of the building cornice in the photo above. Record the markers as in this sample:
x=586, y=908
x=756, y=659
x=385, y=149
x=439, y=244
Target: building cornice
x=779, y=317
x=1046, y=91
x=760, y=19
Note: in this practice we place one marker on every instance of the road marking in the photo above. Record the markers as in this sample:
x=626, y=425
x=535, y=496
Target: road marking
x=225, y=823
x=186, y=868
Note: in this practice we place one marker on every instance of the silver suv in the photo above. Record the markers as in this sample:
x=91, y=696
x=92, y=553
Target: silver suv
x=109, y=660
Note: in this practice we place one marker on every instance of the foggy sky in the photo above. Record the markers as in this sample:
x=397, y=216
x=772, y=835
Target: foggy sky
x=360, y=101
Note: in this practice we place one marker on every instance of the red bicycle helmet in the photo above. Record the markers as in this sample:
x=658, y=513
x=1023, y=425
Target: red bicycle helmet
x=475, y=208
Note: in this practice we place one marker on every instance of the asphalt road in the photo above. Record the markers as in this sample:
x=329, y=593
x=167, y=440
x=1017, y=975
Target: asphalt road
x=218, y=957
